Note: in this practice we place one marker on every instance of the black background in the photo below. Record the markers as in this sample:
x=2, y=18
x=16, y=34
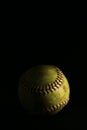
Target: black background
x=58, y=42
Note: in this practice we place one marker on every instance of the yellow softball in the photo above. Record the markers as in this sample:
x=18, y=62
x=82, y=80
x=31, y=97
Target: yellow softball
x=43, y=89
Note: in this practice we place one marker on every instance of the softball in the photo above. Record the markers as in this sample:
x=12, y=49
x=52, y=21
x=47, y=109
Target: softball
x=43, y=89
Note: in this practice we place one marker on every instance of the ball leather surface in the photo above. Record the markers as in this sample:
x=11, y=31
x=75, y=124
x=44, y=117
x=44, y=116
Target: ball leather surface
x=43, y=89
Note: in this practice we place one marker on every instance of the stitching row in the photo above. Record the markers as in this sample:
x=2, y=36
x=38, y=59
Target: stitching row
x=45, y=89
x=56, y=107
